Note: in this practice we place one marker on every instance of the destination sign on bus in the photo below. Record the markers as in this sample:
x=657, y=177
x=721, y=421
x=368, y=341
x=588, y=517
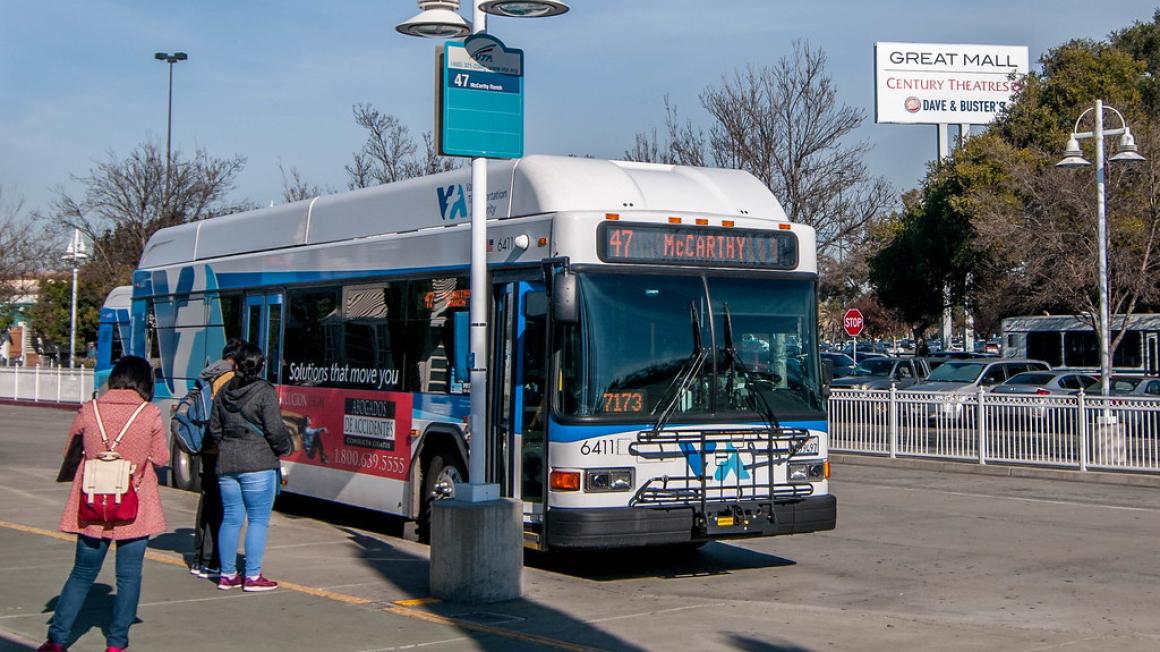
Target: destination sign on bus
x=695, y=245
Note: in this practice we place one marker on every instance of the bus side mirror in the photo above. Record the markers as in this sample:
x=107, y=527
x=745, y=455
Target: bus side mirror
x=565, y=306
x=462, y=346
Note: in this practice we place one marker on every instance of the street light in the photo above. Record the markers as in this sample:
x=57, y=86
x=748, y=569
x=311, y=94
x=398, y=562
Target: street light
x=170, y=59
x=75, y=252
x=438, y=19
x=1073, y=158
x=434, y=22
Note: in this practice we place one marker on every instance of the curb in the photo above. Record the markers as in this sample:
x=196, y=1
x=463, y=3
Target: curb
x=1009, y=471
x=53, y=405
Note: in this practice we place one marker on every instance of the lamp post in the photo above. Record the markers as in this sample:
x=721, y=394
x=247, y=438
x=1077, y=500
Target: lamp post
x=1073, y=157
x=75, y=252
x=440, y=19
x=170, y=59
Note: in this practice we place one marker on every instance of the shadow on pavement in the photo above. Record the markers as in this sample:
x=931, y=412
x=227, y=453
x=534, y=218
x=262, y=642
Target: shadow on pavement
x=737, y=642
x=96, y=612
x=662, y=562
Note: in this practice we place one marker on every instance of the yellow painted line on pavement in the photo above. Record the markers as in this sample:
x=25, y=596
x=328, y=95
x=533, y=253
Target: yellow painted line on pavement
x=404, y=608
x=416, y=602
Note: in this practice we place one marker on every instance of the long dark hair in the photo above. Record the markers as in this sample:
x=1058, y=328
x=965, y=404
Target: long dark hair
x=135, y=373
x=249, y=363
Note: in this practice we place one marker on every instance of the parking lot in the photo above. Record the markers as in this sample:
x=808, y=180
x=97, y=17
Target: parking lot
x=922, y=559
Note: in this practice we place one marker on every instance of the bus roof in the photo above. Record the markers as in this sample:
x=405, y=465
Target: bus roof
x=533, y=185
x=1142, y=321
x=119, y=297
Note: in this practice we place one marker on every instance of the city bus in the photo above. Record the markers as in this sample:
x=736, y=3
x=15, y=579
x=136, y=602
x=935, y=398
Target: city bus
x=112, y=333
x=1068, y=342
x=653, y=346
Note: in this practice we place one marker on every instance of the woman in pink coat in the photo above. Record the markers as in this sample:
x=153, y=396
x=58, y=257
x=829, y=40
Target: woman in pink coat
x=145, y=445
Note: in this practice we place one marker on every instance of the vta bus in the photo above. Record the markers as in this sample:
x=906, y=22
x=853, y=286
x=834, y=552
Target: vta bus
x=112, y=333
x=653, y=353
x=1068, y=342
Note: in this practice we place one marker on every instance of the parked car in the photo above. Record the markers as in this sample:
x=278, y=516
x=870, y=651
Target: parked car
x=957, y=379
x=843, y=364
x=1046, y=383
x=1143, y=386
x=882, y=373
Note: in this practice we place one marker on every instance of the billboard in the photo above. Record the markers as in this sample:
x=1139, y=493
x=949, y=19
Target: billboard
x=941, y=83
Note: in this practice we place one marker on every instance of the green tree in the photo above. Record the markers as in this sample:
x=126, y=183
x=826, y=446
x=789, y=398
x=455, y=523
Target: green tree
x=51, y=315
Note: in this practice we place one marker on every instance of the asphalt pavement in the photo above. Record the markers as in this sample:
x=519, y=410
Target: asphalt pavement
x=922, y=559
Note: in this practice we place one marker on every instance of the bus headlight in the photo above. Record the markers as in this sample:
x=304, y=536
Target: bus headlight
x=810, y=472
x=606, y=480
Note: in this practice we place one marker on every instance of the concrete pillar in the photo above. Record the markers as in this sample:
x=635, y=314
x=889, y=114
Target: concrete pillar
x=477, y=550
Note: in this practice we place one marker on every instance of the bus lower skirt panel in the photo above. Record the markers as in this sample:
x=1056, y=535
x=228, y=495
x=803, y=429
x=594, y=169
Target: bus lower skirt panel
x=626, y=527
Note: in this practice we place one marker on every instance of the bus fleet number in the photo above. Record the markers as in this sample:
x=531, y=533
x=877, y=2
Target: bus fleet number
x=601, y=447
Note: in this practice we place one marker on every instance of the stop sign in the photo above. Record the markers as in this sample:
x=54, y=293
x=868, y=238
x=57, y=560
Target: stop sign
x=852, y=322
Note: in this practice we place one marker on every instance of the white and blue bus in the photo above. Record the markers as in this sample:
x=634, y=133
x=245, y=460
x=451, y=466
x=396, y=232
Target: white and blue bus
x=653, y=336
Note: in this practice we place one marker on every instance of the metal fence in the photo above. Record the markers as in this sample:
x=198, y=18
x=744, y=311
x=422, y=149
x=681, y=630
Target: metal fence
x=1083, y=431
x=46, y=384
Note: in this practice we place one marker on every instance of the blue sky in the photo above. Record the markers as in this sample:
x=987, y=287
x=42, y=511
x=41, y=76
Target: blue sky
x=275, y=80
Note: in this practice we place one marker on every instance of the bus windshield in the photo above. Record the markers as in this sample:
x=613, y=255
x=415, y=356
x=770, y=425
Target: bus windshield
x=636, y=335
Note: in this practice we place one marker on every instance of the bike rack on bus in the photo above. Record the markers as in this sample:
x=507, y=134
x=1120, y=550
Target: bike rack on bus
x=718, y=505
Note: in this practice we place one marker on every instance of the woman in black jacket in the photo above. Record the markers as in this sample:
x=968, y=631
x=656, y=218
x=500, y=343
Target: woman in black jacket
x=247, y=429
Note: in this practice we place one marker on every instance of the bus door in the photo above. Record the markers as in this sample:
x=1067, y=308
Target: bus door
x=263, y=327
x=519, y=408
x=1152, y=353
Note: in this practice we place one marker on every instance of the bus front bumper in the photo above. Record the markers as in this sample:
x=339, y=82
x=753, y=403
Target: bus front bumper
x=625, y=527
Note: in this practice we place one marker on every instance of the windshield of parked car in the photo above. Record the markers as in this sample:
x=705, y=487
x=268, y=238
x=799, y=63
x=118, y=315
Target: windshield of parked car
x=1029, y=378
x=955, y=371
x=875, y=367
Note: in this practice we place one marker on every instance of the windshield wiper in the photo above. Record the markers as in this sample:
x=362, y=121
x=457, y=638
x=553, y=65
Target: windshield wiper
x=733, y=361
x=689, y=370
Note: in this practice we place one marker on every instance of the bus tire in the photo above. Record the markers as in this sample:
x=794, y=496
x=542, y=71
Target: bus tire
x=438, y=483
x=184, y=471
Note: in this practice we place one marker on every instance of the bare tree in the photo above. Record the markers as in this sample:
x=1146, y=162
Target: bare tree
x=786, y=126
x=126, y=200
x=295, y=188
x=1042, y=246
x=390, y=153
x=23, y=251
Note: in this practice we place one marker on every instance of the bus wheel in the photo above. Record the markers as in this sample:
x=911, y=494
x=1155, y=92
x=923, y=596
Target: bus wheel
x=183, y=469
x=438, y=483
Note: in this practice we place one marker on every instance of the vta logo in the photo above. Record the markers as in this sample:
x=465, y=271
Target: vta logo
x=452, y=203
x=731, y=464
x=485, y=55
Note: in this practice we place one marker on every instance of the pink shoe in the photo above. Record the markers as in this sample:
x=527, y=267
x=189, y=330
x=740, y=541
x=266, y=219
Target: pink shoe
x=225, y=583
x=259, y=583
x=112, y=648
x=49, y=646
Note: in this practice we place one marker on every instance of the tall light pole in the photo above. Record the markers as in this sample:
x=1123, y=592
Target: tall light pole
x=440, y=19
x=75, y=252
x=476, y=539
x=170, y=59
x=1073, y=157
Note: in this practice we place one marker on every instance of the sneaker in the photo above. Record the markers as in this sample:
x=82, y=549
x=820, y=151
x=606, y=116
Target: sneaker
x=113, y=648
x=198, y=570
x=259, y=583
x=49, y=646
x=225, y=583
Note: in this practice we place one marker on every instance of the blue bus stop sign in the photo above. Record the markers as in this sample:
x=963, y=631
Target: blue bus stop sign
x=481, y=99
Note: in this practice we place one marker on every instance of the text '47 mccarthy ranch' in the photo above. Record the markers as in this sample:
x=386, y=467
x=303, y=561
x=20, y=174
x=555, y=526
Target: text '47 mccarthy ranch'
x=938, y=83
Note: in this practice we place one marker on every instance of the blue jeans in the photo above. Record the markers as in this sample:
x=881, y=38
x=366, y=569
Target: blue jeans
x=249, y=497
x=90, y=555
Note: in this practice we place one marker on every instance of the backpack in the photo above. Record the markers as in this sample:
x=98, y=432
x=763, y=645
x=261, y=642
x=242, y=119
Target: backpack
x=191, y=417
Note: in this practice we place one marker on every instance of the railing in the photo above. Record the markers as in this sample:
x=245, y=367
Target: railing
x=1083, y=431
x=46, y=384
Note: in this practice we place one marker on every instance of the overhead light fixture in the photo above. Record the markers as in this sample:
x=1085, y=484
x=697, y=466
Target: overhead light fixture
x=524, y=8
x=437, y=19
x=1127, y=148
x=1073, y=155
